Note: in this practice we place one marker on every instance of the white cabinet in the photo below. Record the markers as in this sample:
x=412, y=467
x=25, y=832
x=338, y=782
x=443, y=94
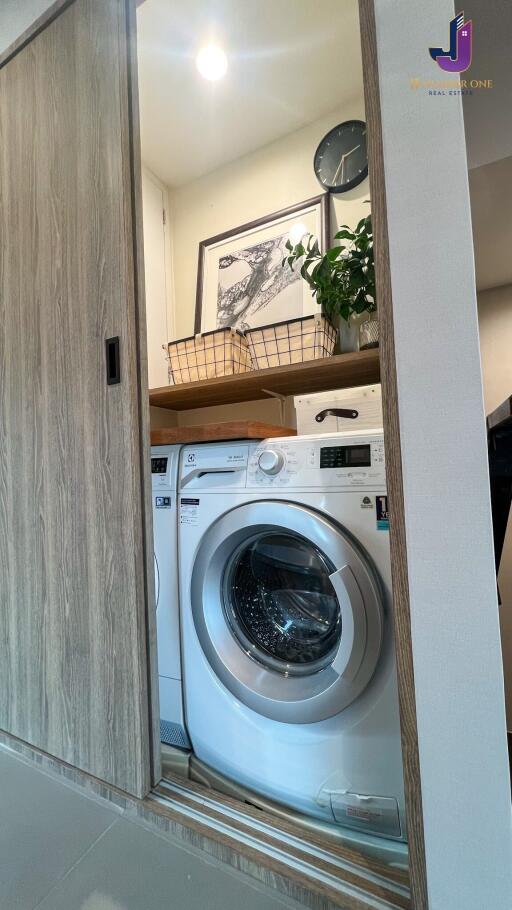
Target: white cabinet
x=158, y=275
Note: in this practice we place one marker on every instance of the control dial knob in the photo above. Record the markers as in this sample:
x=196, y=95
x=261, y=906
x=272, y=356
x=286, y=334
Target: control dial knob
x=271, y=461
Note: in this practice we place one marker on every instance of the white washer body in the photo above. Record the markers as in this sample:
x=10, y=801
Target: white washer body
x=164, y=477
x=326, y=742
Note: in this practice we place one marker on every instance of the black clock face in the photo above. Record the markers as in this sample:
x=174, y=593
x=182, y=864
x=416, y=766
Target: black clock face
x=341, y=161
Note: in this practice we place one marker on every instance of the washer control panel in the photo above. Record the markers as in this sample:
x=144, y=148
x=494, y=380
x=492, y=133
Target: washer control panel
x=163, y=468
x=346, y=456
x=271, y=461
x=339, y=460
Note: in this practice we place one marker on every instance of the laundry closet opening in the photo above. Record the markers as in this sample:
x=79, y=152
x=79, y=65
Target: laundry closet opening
x=277, y=681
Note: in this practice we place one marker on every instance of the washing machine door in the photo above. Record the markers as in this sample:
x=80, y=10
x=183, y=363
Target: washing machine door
x=288, y=610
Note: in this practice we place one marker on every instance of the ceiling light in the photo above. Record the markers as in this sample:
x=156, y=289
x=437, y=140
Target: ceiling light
x=212, y=62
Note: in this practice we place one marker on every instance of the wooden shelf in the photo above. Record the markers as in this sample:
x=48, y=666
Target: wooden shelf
x=339, y=372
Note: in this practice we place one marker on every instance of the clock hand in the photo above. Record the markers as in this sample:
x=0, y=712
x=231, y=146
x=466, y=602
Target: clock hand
x=340, y=168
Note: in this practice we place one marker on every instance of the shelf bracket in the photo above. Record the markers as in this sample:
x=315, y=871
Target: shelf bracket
x=281, y=399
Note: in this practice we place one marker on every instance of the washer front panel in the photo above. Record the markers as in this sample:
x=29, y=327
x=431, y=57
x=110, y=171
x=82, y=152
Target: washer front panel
x=331, y=620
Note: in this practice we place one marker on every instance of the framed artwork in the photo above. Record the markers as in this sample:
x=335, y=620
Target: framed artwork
x=240, y=280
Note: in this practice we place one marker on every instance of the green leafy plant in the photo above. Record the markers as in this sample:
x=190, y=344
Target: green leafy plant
x=343, y=278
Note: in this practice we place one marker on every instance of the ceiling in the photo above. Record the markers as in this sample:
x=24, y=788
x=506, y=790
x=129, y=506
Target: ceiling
x=290, y=63
x=490, y=188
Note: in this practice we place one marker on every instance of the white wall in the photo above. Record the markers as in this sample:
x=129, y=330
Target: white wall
x=271, y=178
x=454, y=616
x=495, y=321
x=16, y=16
x=495, y=324
x=158, y=276
x=488, y=132
x=490, y=189
x=265, y=181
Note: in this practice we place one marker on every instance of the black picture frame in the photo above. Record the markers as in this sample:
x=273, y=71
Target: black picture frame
x=322, y=200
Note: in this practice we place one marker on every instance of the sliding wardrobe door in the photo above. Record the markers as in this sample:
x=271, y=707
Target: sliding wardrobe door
x=74, y=582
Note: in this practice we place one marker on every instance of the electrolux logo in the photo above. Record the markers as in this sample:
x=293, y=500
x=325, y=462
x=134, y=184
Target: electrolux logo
x=457, y=58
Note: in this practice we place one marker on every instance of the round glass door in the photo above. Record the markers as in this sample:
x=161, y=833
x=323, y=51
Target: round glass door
x=287, y=610
x=280, y=603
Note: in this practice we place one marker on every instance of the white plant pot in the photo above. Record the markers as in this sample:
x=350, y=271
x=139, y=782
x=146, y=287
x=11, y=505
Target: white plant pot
x=349, y=334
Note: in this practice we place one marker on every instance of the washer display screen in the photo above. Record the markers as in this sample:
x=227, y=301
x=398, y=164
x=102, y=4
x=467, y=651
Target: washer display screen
x=346, y=456
x=159, y=465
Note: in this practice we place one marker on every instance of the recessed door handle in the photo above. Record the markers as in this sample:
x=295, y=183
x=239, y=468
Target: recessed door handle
x=113, y=361
x=353, y=623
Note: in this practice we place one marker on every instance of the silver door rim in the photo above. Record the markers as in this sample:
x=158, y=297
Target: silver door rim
x=290, y=699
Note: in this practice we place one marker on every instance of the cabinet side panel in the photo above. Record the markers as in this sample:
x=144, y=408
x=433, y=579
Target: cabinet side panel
x=73, y=650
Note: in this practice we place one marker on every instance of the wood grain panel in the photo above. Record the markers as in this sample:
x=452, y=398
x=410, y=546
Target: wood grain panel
x=42, y=22
x=73, y=649
x=339, y=372
x=134, y=220
x=398, y=534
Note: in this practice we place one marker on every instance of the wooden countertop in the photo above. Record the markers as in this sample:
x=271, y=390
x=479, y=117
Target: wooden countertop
x=215, y=432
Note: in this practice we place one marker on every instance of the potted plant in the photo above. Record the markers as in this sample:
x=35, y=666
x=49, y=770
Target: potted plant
x=343, y=278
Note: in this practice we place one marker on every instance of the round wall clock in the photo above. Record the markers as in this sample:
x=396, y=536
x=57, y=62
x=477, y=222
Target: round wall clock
x=341, y=160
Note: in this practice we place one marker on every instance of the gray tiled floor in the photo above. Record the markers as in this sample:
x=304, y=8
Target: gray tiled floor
x=62, y=850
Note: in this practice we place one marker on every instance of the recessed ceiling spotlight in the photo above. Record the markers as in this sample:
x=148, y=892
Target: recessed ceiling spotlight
x=212, y=62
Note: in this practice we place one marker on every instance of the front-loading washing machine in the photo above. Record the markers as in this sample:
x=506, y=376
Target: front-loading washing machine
x=164, y=477
x=289, y=664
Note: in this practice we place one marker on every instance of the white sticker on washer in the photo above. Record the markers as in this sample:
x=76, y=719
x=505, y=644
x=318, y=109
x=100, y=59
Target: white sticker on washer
x=189, y=510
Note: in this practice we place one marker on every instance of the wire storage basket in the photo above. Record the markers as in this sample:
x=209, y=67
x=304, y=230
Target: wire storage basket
x=222, y=352
x=293, y=341
x=369, y=333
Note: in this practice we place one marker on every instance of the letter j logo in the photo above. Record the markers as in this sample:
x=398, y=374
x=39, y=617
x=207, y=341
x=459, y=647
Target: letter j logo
x=458, y=57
